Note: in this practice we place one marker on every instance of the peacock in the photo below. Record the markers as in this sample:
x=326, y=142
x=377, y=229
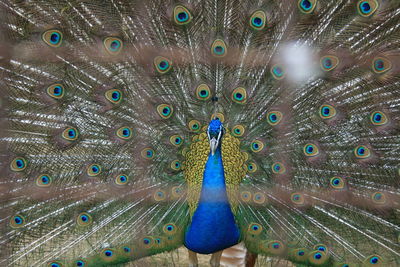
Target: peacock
x=131, y=129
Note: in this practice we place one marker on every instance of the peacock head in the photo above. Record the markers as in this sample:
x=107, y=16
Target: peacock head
x=214, y=132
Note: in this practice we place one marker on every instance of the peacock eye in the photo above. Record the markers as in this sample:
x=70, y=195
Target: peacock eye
x=238, y=130
x=310, y=150
x=274, y=117
x=252, y=167
x=327, y=111
x=374, y=259
x=203, y=92
x=317, y=257
x=278, y=72
x=176, y=140
x=255, y=228
x=121, y=179
x=362, y=152
x=43, y=180
x=176, y=165
x=108, y=254
x=114, y=96
x=256, y=146
x=307, y=6
x=17, y=221
x=84, y=219
x=275, y=247
x=113, y=45
x=321, y=247
x=127, y=249
x=381, y=65
x=245, y=196
x=55, y=91
x=218, y=48
x=337, y=182
x=18, y=164
x=176, y=192
x=93, y=170
x=329, y=63
x=239, y=95
x=80, y=263
x=159, y=195
x=297, y=198
x=170, y=228
x=367, y=7
x=259, y=198
x=378, y=198
x=194, y=125
x=300, y=252
x=52, y=38
x=378, y=118
x=165, y=111
x=162, y=64
x=182, y=15
x=278, y=168
x=147, y=153
x=124, y=133
x=70, y=134
x=257, y=20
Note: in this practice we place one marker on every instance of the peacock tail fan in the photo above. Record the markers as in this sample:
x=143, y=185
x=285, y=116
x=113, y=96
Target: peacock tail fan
x=132, y=128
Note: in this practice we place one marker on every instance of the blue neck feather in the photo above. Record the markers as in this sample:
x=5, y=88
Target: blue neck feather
x=213, y=226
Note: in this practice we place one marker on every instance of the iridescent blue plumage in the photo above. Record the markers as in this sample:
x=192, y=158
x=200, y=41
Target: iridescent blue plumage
x=213, y=227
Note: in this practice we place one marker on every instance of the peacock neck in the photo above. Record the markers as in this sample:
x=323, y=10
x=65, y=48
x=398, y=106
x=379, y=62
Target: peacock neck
x=213, y=188
x=213, y=227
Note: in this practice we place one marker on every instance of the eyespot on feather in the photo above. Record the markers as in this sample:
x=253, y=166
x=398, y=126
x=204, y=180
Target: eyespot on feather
x=278, y=72
x=219, y=48
x=165, y=111
x=257, y=146
x=176, y=140
x=121, y=179
x=329, y=62
x=43, y=180
x=327, y=111
x=274, y=117
x=380, y=65
x=307, y=6
x=84, y=219
x=17, y=221
x=378, y=118
x=310, y=150
x=203, y=92
x=367, y=8
x=245, y=196
x=113, y=45
x=239, y=95
x=56, y=91
x=18, y=164
x=114, y=96
x=182, y=15
x=162, y=64
x=93, y=170
x=238, y=130
x=194, y=125
x=53, y=37
x=258, y=20
x=147, y=153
